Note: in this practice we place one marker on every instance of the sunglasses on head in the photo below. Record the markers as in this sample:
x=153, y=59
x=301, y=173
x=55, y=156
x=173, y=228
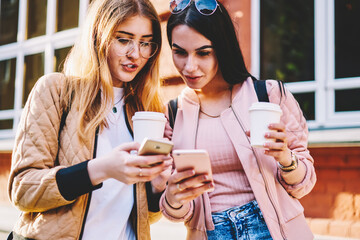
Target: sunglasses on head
x=205, y=7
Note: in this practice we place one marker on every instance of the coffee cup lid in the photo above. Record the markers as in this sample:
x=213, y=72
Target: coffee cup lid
x=265, y=106
x=147, y=115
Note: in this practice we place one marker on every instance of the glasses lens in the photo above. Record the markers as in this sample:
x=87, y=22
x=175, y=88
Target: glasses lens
x=206, y=7
x=123, y=46
x=177, y=6
x=148, y=49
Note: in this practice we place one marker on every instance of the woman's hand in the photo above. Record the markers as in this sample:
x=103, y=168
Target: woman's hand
x=278, y=149
x=185, y=186
x=125, y=167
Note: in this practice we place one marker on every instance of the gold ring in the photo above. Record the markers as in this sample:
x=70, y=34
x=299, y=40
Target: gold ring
x=178, y=187
x=140, y=172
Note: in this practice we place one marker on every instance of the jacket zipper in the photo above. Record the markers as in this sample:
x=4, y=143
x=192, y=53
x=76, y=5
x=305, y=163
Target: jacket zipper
x=262, y=174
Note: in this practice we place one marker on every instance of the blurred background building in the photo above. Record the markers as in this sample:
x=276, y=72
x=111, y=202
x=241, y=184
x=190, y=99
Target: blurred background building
x=311, y=45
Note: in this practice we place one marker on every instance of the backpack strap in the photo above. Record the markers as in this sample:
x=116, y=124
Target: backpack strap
x=172, y=109
x=260, y=88
x=63, y=120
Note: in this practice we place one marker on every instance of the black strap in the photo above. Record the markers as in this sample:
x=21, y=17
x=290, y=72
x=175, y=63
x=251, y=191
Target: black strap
x=172, y=108
x=64, y=115
x=62, y=121
x=127, y=122
x=260, y=88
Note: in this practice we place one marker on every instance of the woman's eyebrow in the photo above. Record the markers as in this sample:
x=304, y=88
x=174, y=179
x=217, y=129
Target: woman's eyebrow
x=204, y=47
x=200, y=48
x=131, y=34
x=177, y=46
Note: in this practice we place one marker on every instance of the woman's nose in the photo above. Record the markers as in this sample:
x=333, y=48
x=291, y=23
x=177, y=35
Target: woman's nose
x=190, y=65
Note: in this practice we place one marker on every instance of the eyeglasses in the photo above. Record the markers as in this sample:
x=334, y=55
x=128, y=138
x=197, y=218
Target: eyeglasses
x=205, y=7
x=125, y=46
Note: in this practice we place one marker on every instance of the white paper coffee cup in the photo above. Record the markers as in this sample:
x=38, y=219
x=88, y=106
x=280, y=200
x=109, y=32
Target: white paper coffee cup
x=261, y=115
x=148, y=124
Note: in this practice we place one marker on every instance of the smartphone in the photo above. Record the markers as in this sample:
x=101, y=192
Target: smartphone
x=155, y=147
x=197, y=159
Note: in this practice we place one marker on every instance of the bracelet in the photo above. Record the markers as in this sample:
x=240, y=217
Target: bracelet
x=172, y=206
x=293, y=165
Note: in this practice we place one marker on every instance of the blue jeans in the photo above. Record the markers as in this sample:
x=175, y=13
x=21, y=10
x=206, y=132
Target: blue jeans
x=240, y=223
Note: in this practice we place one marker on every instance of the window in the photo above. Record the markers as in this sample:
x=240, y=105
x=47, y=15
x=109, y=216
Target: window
x=9, y=12
x=313, y=46
x=36, y=18
x=60, y=55
x=6, y=124
x=7, y=83
x=287, y=40
x=347, y=38
x=67, y=17
x=33, y=70
x=35, y=37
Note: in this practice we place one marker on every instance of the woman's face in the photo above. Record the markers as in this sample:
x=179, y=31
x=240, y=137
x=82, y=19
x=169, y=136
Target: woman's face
x=125, y=65
x=194, y=57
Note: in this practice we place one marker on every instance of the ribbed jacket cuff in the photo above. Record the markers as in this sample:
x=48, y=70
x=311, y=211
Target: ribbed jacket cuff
x=177, y=215
x=74, y=181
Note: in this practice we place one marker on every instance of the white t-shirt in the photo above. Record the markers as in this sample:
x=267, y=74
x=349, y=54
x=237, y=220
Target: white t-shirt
x=111, y=205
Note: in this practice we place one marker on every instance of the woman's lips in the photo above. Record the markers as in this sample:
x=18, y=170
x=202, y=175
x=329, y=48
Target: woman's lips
x=192, y=78
x=130, y=67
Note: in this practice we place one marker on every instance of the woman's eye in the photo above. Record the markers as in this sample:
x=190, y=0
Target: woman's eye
x=179, y=52
x=204, y=53
x=123, y=40
x=145, y=44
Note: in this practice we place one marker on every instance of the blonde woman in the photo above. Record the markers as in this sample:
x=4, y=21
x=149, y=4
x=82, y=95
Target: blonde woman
x=73, y=175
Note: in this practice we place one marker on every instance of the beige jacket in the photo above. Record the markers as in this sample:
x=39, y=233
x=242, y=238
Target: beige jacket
x=33, y=184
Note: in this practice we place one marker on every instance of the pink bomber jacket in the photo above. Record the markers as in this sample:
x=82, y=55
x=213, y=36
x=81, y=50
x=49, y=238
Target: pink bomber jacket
x=277, y=199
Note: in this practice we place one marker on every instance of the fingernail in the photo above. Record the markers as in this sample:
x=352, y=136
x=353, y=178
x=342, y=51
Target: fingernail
x=205, y=177
x=166, y=158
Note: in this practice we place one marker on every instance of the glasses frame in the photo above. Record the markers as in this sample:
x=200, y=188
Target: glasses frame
x=196, y=5
x=131, y=45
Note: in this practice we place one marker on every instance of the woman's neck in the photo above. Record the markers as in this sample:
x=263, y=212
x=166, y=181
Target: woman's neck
x=214, y=101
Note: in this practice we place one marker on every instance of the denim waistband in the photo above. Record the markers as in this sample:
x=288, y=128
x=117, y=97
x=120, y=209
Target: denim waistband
x=236, y=213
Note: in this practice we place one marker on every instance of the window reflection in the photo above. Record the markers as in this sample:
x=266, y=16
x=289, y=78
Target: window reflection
x=347, y=100
x=347, y=38
x=287, y=40
x=8, y=21
x=307, y=104
x=6, y=124
x=67, y=14
x=7, y=83
x=33, y=70
x=60, y=55
x=36, y=18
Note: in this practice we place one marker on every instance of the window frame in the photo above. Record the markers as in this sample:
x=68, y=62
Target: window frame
x=47, y=43
x=324, y=85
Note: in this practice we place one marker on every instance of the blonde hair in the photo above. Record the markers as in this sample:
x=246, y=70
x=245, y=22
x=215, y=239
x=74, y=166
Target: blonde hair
x=89, y=81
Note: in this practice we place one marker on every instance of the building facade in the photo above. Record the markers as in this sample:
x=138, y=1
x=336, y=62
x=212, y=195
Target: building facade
x=311, y=45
